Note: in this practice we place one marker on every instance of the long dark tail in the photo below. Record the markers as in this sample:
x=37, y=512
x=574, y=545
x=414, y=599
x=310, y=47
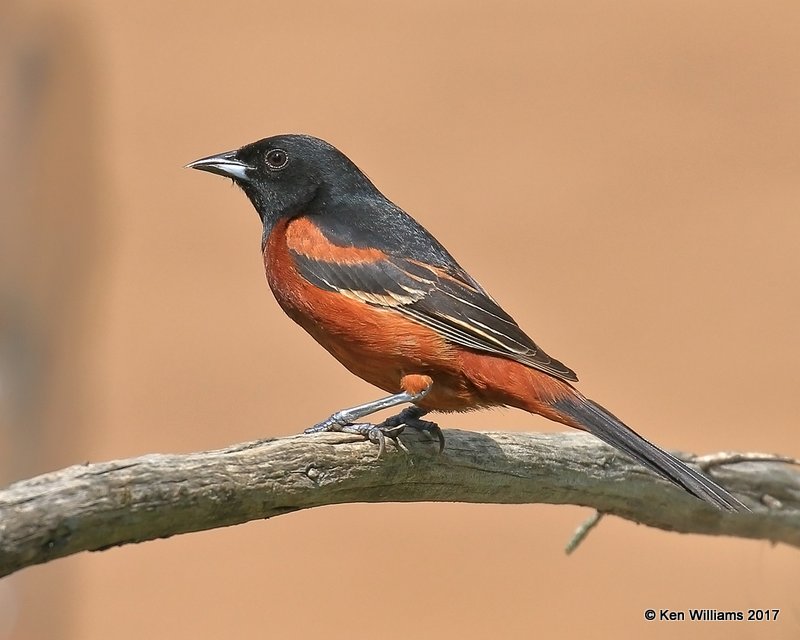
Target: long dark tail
x=590, y=416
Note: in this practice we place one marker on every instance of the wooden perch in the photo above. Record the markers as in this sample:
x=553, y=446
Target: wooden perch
x=96, y=506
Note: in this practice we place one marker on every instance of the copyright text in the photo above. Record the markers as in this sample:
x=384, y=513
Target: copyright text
x=712, y=615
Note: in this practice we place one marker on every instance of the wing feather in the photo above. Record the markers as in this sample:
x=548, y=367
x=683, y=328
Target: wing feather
x=451, y=303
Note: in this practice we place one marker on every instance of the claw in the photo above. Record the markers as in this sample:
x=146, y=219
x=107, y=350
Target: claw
x=376, y=434
x=431, y=428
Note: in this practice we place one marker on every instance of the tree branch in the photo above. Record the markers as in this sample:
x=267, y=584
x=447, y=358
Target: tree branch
x=96, y=506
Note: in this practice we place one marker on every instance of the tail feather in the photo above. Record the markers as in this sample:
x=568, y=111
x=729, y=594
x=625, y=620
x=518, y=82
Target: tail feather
x=590, y=416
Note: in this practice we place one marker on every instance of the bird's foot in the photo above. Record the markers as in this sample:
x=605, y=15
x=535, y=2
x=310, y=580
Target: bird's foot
x=390, y=428
x=376, y=433
x=410, y=417
x=349, y=416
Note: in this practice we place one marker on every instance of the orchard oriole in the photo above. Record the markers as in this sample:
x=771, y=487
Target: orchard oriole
x=388, y=301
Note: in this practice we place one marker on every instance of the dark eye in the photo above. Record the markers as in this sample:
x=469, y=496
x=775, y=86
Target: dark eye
x=277, y=159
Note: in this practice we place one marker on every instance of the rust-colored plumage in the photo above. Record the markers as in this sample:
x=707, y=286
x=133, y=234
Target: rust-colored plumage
x=374, y=342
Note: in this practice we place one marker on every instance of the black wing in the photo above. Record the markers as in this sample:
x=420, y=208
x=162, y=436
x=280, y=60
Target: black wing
x=450, y=303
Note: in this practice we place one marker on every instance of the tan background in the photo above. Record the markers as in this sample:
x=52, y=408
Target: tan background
x=622, y=176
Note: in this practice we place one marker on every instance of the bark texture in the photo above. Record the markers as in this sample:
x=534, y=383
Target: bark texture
x=95, y=506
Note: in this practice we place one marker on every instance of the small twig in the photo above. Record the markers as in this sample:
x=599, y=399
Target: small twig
x=583, y=530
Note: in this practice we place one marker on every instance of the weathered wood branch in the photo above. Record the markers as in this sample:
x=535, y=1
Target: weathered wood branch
x=96, y=506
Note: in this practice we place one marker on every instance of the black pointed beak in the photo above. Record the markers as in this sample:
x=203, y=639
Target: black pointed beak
x=223, y=164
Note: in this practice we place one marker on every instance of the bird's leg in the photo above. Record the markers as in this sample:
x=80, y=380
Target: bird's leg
x=349, y=416
x=344, y=420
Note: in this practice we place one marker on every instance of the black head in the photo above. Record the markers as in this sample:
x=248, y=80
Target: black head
x=287, y=175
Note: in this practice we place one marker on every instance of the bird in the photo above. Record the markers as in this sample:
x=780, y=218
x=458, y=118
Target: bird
x=385, y=298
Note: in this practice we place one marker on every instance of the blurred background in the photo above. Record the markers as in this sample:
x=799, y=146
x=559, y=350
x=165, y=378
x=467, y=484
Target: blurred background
x=622, y=177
